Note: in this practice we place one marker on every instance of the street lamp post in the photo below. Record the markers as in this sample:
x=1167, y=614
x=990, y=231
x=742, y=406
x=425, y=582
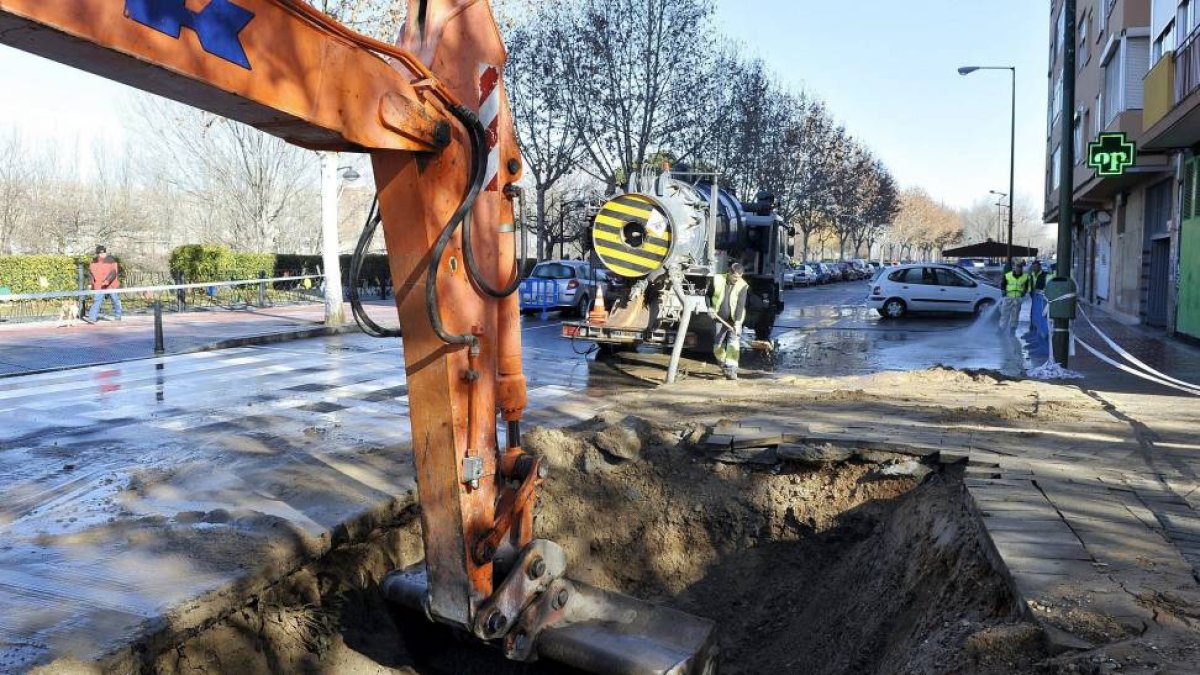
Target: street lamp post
x=1012, y=153
x=330, y=175
x=999, y=211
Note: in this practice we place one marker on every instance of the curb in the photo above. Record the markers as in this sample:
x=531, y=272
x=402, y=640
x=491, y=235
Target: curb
x=230, y=343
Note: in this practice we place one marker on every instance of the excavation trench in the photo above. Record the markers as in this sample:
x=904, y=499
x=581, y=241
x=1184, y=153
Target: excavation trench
x=868, y=563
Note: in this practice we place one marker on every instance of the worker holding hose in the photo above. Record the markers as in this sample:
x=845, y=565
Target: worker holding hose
x=728, y=304
x=1016, y=287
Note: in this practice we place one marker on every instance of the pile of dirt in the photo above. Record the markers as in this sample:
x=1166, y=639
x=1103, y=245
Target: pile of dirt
x=835, y=569
x=844, y=567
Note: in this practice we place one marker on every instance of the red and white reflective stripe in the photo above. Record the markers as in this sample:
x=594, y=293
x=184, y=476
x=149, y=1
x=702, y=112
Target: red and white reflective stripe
x=489, y=115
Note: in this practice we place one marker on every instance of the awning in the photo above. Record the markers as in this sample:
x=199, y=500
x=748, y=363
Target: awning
x=989, y=249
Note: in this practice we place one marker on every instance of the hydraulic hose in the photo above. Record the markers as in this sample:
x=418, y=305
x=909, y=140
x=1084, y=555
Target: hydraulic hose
x=361, y=317
x=478, y=277
x=326, y=23
x=478, y=170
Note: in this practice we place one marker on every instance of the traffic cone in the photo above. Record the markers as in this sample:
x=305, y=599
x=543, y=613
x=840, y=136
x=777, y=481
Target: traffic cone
x=598, y=313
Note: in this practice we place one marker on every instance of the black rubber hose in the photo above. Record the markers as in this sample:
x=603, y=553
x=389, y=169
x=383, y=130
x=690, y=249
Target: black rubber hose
x=478, y=170
x=468, y=252
x=361, y=317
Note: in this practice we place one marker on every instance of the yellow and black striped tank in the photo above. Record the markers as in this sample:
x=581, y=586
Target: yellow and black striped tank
x=631, y=235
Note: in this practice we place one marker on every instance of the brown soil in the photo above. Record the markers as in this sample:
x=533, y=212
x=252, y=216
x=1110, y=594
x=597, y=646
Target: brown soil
x=835, y=569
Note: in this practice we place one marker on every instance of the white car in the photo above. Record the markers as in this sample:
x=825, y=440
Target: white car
x=929, y=287
x=798, y=275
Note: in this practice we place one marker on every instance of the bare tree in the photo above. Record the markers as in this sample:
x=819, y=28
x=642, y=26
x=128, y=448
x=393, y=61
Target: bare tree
x=639, y=73
x=924, y=225
x=538, y=90
x=15, y=176
x=253, y=181
x=880, y=204
x=814, y=150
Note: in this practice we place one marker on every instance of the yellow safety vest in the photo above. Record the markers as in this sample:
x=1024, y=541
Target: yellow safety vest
x=1034, y=277
x=1016, y=286
x=736, y=309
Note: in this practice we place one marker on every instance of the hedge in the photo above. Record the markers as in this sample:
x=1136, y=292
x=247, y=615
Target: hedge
x=201, y=262
x=41, y=273
x=374, y=267
x=198, y=263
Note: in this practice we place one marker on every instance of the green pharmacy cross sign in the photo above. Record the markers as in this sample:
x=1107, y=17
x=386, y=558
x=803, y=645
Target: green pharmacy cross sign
x=1111, y=153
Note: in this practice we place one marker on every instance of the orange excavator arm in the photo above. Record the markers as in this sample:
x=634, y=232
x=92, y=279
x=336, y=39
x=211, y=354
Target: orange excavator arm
x=433, y=114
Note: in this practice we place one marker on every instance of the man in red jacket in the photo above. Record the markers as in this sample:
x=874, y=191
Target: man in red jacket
x=105, y=277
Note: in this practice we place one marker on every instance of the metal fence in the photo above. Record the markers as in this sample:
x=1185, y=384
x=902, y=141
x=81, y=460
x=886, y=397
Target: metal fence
x=540, y=295
x=141, y=290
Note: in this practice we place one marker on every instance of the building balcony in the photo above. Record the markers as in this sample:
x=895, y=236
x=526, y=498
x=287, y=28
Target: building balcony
x=1176, y=125
x=1159, y=91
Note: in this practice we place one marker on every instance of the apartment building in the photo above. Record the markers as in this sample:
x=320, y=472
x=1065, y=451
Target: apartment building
x=1171, y=124
x=1127, y=231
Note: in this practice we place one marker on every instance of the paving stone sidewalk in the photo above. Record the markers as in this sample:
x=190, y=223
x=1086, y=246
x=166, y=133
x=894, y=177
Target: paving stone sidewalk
x=1089, y=497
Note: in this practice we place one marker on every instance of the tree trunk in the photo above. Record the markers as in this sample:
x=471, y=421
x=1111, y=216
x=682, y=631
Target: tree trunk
x=540, y=206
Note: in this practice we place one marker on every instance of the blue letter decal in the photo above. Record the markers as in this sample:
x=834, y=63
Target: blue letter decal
x=217, y=25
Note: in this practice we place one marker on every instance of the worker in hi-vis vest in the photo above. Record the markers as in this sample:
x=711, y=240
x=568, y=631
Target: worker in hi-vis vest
x=1016, y=287
x=728, y=303
x=1039, y=330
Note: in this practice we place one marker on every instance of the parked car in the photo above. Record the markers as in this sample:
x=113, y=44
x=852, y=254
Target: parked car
x=823, y=273
x=929, y=287
x=799, y=274
x=843, y=271
x=806, y=275
x=566, y=285
x=789, y=275
x=858, y=268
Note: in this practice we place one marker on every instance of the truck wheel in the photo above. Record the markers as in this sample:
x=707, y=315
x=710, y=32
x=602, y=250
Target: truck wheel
x=607, y=349
x=762, y=329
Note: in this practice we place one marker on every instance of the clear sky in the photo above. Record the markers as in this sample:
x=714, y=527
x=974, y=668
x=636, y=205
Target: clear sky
x=887, y=69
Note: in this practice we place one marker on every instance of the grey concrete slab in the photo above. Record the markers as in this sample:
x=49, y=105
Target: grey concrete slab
x=194, y=475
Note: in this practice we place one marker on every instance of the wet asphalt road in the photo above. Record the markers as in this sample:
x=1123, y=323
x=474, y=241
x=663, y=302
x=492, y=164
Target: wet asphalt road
x=179, y=401
x=827, y=330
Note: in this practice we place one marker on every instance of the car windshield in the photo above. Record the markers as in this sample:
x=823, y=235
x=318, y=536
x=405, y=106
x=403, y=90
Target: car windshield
x=553, y=271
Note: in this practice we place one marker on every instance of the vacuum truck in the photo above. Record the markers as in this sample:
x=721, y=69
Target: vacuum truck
x=662, y=240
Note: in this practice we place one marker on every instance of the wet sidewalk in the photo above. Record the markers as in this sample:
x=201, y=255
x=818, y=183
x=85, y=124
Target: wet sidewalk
x=143, y=500
x=46, y=346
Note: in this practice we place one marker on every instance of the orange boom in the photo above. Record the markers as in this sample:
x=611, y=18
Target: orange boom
x=446, y=182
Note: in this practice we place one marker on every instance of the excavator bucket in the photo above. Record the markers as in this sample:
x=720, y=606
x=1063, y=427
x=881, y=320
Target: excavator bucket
x=592, y=630
x=606, y=632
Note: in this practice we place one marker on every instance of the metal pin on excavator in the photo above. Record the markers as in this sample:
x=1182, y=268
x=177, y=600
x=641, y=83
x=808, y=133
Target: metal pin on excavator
x=433, y=115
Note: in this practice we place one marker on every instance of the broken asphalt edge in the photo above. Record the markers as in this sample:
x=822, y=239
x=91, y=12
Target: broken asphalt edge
x=192, y=617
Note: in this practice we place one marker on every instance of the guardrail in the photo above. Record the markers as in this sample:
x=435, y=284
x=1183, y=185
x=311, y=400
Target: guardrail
x=1187, y=66
x=539, y=294
x=233, y=294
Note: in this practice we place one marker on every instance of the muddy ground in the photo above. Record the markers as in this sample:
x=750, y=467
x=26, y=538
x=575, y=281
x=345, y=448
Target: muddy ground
x=870, y=563
x=837, y=568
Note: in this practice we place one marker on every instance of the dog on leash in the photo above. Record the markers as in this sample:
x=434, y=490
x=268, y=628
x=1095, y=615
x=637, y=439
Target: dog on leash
x=68, y=313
